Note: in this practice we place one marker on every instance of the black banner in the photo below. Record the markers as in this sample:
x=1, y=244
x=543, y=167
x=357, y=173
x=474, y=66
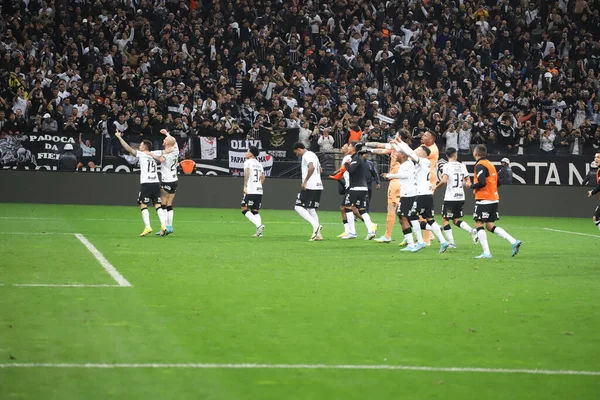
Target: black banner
x=279, y=142
x=539, y=169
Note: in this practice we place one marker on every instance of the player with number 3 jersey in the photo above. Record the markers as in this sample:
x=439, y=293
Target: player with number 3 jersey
x=456, y=177
x=254, y=178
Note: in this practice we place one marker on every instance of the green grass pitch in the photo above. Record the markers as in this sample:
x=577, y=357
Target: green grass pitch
x=211, y=293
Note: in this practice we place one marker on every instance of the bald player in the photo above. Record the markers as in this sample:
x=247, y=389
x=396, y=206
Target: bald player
x=169, y=159
x=393, y=195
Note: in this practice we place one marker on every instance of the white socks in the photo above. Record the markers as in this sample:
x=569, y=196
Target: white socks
x=597, y=224
x=437, y=232
x=170, y=217
x=251, y=217
x=449, y=234
x=483, y=240
x=416, y=225
x=409, y=239
x=306, y=215
x=346, y=227
x=351, y=225
x=504, y=235
x=313, y=214
x=161, y=216
x=465, y=227
x=257, y=220
x=368, y=222
x=146, y=218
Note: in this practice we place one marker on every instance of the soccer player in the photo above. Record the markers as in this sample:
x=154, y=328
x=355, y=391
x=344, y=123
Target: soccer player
x=342, y=176
x=456, y=177
x=149, y=183
x=254, y=178
x=485, y=187
x=428, y=140
x=358, y=192
x=393, y=194
x=407, y=206
x=168, y=160
x=424, y=194
x=309, y=197
x=596, y=190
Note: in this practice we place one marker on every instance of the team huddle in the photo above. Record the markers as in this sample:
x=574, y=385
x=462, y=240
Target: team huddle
x=410, y=194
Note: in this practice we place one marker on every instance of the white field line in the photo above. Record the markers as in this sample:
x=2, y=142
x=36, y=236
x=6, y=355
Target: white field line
x=108, y=267
x=76, y=285
x=35, y=233
x=571, y=233
x=198, y=221
x=304, y=366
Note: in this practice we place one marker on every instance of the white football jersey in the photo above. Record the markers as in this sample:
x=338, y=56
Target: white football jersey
x=148, y=168
x=314, y=183
x=254, y=185
x=456, y=172
x=423, y=168
x=408, y=179
x=347, y=159
x=168, y=169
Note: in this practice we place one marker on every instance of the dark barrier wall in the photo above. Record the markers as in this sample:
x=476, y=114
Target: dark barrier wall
x=226, y=192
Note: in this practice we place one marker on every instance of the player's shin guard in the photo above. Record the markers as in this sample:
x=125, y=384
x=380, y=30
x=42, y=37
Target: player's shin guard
x=597, y=223
x=169, y=215
x=351, y=224
x=250, y=216
x=146, y=217
x=367, y=220
x=314, y=215
x=448, y=233
x=161, y=216
x=416, y=225
x=483, y=240
x=257, y=218
x=503, y=234
x=408, y=236
x=435, y=228
x=306, y=215
x=464, y=226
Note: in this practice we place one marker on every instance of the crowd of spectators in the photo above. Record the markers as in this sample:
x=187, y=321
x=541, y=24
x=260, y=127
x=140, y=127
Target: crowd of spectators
x=518, y=75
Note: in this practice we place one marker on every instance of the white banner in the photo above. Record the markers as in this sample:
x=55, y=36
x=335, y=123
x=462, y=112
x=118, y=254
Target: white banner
x=236, y=162
x=208, y=148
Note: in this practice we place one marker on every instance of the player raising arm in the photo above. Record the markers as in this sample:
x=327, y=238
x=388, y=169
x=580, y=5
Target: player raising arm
x=168, y=170
x=485, y=187
x=424, y=193
x=456, y=177
x=407, y=207
x=254, y=178
x=596, y=190
x=149, y=183
x=393, y=194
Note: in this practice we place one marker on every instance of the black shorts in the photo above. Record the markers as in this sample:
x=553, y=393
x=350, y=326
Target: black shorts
x=169, y=187
x=453, y=209
x=425, y=206
x=408, y=208
x=486, y=212
x=309, y=198
x=358, y=198
x=597, y=213
x=149, y=193
x=252, y=201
